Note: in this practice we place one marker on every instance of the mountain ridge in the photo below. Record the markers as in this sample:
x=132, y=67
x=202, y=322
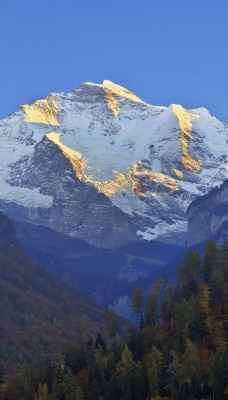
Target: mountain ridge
x=104, y=275
x=148, y=162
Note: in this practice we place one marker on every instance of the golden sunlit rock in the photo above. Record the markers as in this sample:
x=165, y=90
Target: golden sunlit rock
x=184, y=119
x=136, y=187
x=121, y=182
x=79, y=165
x=178, y=173
x=42, y=111
x=113, y=91
x=111, y=187
x=77, y=161
x=154, y=177
x=120, y=91
x=112, y=102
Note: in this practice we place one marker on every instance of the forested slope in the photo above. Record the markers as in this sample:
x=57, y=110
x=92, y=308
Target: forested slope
x=179, y=351
x=38, y=313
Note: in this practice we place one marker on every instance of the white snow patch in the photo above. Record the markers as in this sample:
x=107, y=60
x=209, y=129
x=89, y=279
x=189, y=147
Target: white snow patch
x=31, y=198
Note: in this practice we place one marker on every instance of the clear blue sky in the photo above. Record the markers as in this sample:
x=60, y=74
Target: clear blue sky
x=165, y=51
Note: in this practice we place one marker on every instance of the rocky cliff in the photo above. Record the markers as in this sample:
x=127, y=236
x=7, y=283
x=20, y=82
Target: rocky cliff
x=208, y=216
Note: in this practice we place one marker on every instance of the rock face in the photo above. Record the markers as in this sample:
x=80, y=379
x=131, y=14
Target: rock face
x=77, y=209
x=208, y=216
x=101, y=165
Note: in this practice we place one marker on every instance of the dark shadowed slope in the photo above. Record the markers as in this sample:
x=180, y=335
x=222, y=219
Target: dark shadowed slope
x=38, y=313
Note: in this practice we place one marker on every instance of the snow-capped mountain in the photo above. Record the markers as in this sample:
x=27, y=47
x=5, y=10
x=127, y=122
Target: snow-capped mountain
x=102, y=165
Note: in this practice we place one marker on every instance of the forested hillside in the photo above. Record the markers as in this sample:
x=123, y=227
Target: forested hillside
x=38, y=313
x=178, y=351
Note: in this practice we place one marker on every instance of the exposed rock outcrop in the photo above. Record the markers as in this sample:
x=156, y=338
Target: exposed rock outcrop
x=208, y=216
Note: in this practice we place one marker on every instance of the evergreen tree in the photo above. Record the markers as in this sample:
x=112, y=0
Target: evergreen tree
x=155, y=367
x=151, y=310
x=183, y=317
x=174, y=372
x=99, y=342
x=209, y=260
x=111, y=324
x=135, y=343
x=42, y=393
x=191, y=362
x=66, y=387
x=223, y=252
x=189, y=274
x=76, y=358
x=137, y=304
x=219, y=371
x=204, y=299
x=91, y=360
x=126, y=368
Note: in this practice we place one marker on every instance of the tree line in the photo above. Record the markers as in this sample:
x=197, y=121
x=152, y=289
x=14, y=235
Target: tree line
x=178, y=351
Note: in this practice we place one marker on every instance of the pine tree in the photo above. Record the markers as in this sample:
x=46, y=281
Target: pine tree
x=99, y=342
x=155, y=366
x=219, y=371
x=204, y=299
x=174, y=372
x=151, y=310
x=111, y=324
x=210, y=259
x=76, y=358
x=125, y=369
x=189, y=274
x=66, y=387
x=137, y=304
x=42, y=393
x=191, y=362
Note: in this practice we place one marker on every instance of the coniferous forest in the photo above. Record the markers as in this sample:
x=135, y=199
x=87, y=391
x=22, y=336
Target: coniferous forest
x=178, y=350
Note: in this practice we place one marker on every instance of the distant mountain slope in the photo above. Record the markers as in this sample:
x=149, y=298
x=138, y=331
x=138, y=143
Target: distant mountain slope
x=102, y=274
x=100, y=164
x=208, y=216
x=38, y=313
x=7, y=231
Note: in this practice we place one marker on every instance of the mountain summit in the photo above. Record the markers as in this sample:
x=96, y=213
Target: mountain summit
x=100, y=164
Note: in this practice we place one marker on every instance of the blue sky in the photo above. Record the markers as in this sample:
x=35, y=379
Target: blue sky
x=164, y=51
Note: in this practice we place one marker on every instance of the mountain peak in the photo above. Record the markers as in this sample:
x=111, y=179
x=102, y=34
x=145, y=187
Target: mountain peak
x=117, y=90
x=114, y=92
x=120, y=91
x=149, y=162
